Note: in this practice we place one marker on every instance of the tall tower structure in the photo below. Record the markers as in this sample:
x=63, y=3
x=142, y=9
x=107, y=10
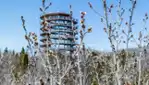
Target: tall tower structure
x=60, y=32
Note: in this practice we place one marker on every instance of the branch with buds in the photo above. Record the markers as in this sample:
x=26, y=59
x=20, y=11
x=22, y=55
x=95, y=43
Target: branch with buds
x=31, y=39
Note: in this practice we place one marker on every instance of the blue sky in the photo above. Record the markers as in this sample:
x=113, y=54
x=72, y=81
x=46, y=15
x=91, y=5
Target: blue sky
x=12, y=34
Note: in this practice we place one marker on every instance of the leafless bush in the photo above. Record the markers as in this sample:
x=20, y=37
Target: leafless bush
x=128, y=68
